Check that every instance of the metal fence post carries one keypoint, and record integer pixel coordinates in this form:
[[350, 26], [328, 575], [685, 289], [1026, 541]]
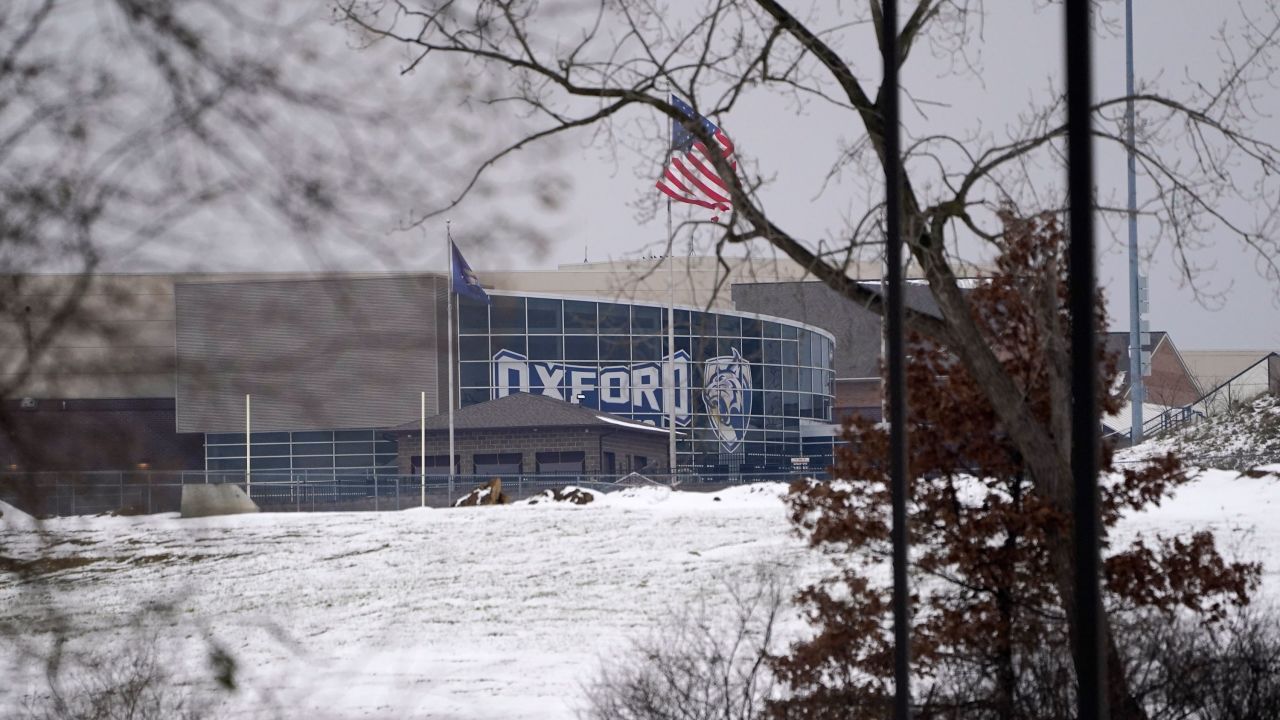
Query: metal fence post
[[1082, 284], [375, 492]]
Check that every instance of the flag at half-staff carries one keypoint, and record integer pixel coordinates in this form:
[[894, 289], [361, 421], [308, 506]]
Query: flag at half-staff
[[691, 176]]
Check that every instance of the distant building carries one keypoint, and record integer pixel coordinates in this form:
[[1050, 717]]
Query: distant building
[[151, 371], [1212, 368], [1170, 384], [856, 329]]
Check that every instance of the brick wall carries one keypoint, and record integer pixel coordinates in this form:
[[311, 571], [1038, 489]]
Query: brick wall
[[1169, 383], [861, 397]]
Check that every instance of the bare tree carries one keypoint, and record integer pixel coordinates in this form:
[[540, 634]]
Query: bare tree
[[711, 661], [176, 131], [593, 65], [131, 128]]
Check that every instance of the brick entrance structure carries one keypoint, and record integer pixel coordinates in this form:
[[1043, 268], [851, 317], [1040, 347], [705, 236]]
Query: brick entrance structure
[[532, 435]]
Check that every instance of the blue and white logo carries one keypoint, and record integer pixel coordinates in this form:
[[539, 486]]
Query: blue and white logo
[[727, 397], [635, 390]]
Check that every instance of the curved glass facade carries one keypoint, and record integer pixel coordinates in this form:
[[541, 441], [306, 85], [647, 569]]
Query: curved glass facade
[[744, 384]]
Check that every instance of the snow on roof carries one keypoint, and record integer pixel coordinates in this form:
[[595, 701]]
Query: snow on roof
[[629, 424]]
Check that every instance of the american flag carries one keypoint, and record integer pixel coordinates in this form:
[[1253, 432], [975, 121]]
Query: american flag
[[690, 176]]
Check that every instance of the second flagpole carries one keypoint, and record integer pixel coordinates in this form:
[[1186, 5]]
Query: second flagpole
[[671, 347], [448, 236]]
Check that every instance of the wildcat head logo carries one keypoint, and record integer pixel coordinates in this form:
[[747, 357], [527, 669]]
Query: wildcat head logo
[[727, 397]]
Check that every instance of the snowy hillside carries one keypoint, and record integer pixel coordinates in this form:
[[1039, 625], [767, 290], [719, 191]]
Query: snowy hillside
[[1239, 438], [495, 612]]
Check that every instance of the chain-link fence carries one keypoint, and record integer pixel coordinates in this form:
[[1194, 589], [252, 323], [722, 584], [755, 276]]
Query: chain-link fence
[[1238, 461], [138, 493]]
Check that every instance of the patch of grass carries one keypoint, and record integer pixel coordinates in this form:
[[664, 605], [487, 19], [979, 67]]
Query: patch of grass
[[75, 541], [45, 565], [353, 553]]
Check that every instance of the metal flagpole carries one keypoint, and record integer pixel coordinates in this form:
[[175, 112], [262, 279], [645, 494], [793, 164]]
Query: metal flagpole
[[248, 448], [1137, 388], [422, 450], [670, 366], [898, 468], [449, 310], [1081, 288]]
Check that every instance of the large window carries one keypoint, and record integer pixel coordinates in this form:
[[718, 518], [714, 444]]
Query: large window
[[437, 465], [579, 317], [305, 453], [615, 319], [647, 320], [545, 316], [561, 462], [497, 463], [506, 314]]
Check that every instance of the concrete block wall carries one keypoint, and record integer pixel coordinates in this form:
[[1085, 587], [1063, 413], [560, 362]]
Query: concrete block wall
[[626, 445]]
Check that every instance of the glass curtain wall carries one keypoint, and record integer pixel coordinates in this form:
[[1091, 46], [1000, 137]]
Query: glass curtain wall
[[318, 453], [600, 352]]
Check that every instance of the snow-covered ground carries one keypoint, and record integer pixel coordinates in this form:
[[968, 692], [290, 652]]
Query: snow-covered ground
[[1243, 436], [490, 612]]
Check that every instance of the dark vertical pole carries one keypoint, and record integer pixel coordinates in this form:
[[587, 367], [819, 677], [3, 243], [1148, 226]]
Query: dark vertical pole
[[897, 372], [1084, 366]]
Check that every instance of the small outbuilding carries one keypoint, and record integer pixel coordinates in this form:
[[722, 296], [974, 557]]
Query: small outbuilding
[[524, 434]]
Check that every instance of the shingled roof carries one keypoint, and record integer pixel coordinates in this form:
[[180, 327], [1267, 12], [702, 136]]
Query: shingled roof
[[522, 410]]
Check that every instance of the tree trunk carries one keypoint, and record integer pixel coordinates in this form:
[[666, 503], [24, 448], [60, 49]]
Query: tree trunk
[[1046, 454], [1006, 679], [1120, 701]]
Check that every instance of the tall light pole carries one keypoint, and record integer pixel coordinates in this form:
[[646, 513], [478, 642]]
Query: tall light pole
[[1137, 288]]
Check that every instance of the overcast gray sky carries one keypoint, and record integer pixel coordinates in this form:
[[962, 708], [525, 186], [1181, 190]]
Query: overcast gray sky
[[1020, 59]]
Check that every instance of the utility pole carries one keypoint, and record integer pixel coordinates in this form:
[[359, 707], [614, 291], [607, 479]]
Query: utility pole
[[1139, 361]]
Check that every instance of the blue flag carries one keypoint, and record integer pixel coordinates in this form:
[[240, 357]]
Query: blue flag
[[465, 282]]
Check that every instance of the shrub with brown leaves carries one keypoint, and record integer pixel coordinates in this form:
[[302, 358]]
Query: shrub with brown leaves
[[989, 637]]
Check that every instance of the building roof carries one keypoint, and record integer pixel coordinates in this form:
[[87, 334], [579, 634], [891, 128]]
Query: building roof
[[1117, 343], [523, 410]]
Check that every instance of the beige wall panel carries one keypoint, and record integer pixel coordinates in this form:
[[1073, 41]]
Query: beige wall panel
[[99, 386], [314, 354]]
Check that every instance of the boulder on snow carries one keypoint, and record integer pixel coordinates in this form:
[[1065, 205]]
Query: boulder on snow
[[569, 494], [209, 500], [489, 493], [11, 518]]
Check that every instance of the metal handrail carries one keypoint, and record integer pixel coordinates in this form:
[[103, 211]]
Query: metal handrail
[[1186, 413]]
